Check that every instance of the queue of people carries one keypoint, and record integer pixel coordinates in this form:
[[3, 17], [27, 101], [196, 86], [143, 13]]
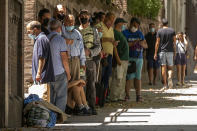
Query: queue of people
[[72, 58]]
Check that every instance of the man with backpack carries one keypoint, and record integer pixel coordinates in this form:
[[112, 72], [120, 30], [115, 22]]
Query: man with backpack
[[92, 48], [58, 89]]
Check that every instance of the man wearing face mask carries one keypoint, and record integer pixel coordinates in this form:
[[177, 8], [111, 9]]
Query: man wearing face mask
[[58, 89], [136, 43], [60, 13], [119, 72], [92, 48], [42, 67], [44, 18], [153, 65], [75, 46]]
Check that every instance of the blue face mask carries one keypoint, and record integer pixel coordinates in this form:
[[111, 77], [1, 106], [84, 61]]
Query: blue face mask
[[152, 30], [123, 27], [100, 34], [33, 37], [70, 28]]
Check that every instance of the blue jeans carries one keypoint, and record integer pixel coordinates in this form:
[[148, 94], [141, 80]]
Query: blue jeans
[[107, 71], [58, 91]]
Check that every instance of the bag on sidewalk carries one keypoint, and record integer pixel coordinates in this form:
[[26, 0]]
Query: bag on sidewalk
[[38, 90]]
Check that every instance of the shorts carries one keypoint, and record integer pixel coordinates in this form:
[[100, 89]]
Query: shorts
[[138, 73], [151, 63], [166, 58], [180, 59]]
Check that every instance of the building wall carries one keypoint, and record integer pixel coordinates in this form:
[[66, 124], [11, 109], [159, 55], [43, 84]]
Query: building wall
[[175, 12], [11, 66]]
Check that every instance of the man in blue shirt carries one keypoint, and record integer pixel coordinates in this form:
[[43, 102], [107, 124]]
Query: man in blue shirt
[[60, 64], [75, 46], [136, 43], [42, 67]]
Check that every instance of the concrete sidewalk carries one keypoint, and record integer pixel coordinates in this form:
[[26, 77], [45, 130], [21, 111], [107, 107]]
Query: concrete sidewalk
[[172, 110]]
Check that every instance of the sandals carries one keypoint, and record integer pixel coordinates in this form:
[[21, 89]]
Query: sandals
[[139, 98], [127, 98]]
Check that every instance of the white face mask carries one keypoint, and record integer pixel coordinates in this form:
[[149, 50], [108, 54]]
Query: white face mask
[[134, 29]]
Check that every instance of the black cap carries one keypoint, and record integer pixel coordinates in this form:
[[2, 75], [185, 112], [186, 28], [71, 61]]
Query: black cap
[[119, 20], [84, 12], [134, 19]]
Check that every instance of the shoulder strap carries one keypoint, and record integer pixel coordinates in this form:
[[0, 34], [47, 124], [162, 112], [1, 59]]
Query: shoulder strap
[[182, 47], [53, 36]]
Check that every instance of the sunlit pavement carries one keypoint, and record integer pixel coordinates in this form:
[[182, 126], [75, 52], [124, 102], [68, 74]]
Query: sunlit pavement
[[172, 110]]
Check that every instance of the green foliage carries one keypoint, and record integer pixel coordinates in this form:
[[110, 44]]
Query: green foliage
[[144, 8]]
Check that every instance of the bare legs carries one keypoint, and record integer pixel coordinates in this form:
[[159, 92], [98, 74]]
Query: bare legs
[[152, 74], [137, 86], [181, 73]]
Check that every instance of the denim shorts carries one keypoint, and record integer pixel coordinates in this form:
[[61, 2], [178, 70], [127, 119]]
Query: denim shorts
[[166, 58], [138, 73]]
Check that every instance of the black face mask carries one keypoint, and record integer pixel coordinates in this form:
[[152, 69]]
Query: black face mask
[[45, 22], [61, 17], [84, 20]]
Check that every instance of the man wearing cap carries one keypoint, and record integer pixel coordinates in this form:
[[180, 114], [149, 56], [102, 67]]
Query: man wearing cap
[[121, 57], [92, 47]]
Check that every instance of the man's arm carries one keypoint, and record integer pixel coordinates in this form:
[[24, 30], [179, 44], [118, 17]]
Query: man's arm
[[65, 64], [156, 48], [132, 43], [82, 54], [76, 83], [41, 63], [144, 44]]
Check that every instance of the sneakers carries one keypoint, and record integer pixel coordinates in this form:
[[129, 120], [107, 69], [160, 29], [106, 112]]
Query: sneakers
[[69, 110], [178, 84], [82, 112], [163, 88], [170, 83]]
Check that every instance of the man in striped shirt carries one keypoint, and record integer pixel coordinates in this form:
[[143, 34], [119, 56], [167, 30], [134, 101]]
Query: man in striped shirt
[[92, 46]]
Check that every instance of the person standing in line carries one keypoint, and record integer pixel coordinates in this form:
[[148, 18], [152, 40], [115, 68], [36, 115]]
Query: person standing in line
[[44, 17], [58, 89], [137, 43], [152, 65], [42, 66], [75, 46], [181, 60], [166, 40], [121, 57], [92, 48], [108, 43]]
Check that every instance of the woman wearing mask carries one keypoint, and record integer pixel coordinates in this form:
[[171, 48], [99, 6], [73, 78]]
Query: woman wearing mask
[[137, 43], [180, 60]]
